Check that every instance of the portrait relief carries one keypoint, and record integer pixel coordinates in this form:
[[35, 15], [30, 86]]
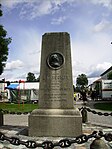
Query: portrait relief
[[55, 60]]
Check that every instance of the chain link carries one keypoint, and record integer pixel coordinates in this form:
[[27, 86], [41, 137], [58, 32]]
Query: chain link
[[95, 112], [31, 144], [62, 143], [2, 137], [14, 141], [12, 112], [80, 109], [108, 137], [47, 145]]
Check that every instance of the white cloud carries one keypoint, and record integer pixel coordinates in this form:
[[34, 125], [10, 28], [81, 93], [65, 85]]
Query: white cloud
[[89, 48], [58, 21], [104, 25], [31, 9], [14, 65], [13, 3], [27, 45], [10, 3], [47, 3], [29, 49], [103, 66], [78, 68], [92, 72], [36, 9], [96, 71], [105, 3]]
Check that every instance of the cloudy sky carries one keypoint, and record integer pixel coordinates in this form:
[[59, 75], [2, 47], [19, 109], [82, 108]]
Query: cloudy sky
[[89, 23]]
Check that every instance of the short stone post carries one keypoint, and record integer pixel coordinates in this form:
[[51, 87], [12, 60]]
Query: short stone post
[[98, 144], [1, 118], [84, 115]]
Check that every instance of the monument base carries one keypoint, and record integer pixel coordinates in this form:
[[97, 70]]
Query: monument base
[[55, 123]]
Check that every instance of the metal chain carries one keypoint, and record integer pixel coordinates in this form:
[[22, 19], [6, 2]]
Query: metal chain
[[80, 109], [95, 112], [62, 143], [12, 112]]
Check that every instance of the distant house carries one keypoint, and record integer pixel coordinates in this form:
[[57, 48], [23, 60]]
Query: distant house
[[103, 86], [106, 84], [104, 75], [106, 89], [3, 91]]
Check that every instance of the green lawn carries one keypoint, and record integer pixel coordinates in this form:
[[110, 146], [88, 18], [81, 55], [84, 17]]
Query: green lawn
[[18, 107], [30, 107], [103, 106]]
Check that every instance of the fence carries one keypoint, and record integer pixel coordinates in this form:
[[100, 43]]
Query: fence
[[98, 143], [84, 111]]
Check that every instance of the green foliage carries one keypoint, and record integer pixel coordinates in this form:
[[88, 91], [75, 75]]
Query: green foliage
[[109, 76], [81, 82], [4, 42], [31, 77]]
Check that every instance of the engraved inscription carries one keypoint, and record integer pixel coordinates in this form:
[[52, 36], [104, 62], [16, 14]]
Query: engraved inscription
[[56, 77]]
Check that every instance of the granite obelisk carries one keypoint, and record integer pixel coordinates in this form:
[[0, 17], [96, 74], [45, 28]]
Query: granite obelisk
[[56, 115]]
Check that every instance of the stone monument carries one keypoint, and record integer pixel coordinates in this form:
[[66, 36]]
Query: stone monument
[[56, 115]]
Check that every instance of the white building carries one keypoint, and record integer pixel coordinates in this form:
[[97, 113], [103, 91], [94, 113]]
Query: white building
[[104, 84], [107, 89], [3, 92], [24, 91]]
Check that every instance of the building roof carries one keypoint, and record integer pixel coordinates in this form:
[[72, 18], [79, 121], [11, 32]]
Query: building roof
[[106, 71], [13, 86], [98, 80]]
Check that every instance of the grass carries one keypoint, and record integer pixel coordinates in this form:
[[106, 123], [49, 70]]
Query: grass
[[103, 106], [18, 107], [30, 107]]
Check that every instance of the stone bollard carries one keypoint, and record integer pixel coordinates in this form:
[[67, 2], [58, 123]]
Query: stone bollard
[[1, 118], [84, 115], [98, 144]]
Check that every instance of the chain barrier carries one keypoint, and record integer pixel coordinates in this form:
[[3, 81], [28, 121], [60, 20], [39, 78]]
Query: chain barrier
[[62, 143], [12, 112], [80, 109], [95, 112]]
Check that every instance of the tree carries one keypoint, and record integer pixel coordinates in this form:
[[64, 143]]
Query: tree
[[109, 76], [81, 82], [4, 42], [30, 77]]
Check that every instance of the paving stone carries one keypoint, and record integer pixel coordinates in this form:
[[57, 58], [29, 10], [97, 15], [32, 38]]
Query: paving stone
[[79, 147], [1, 146]]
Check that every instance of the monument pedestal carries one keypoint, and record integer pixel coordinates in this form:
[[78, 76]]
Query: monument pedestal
[[55, 123], [56, 115]]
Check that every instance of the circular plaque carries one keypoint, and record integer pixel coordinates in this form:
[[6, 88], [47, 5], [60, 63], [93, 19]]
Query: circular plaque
[[55, 60]]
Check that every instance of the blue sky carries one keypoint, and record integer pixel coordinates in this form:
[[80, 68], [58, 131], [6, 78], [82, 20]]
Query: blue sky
[[89, 23]]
